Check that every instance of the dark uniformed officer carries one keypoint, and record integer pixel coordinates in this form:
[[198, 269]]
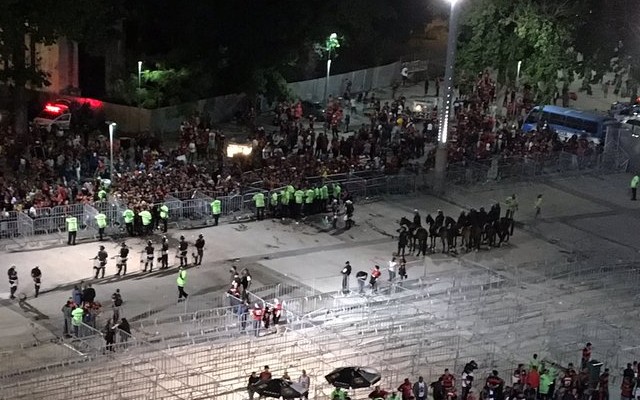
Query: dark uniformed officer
[[102, 262], [165, 253], [182, 251], [13, 281], [200, 250], [122, 259], [36, 274], [149, 260]]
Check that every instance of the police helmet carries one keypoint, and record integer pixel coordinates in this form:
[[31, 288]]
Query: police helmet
[[200, 235], [124, 244], [101, 247], [149, 242], [181, 237]]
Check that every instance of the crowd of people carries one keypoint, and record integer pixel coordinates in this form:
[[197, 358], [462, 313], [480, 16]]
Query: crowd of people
[[57, 170], [537, 380]]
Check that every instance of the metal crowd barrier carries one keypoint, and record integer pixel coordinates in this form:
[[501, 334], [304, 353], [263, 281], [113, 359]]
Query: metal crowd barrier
[[187, 206]]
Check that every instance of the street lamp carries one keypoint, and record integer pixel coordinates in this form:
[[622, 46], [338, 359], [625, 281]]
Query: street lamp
[[139, 74], [331, 44], [447, 93], [112, 131]]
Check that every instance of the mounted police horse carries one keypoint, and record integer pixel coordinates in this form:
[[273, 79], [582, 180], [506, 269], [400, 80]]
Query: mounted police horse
[[411, 229]]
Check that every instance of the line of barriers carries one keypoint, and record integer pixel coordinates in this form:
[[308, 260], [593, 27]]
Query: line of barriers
[[518, 168], [186, 209]]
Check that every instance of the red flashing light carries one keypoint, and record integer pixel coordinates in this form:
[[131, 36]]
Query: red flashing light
[[53, 109]]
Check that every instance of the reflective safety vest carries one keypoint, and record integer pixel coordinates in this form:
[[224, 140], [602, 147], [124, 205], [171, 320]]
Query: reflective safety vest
[[72, 224], [258, 198], [324, 192], [102, 194], [216, 206], [76, 316], [284, 197], [299, 195], [101, 219], [128, 216], [311, 194], [146, 217], [164, 211], [336, 190], [182, 278], [634, 181], [274, 199]]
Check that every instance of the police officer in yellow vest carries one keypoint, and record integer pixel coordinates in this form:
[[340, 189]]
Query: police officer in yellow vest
[[146, 217], [308, 202], [258, 198], [299, 199], [101, 221], [164, 217], [72, 229], [181, 281], [216, 210], [128, 216], [274, 204]]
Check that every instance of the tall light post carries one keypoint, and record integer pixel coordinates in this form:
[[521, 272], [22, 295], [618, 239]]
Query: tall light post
[[447, 98], [139, 93], [331, 44], [112, 131]]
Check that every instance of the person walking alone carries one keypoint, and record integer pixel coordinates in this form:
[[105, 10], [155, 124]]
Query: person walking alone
[[13, 281], [634, 186], [36, 274], [181, 281], [346, 271], [537, 205]]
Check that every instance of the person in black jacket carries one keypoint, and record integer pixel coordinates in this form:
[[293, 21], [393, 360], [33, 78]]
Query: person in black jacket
[[346, 271]]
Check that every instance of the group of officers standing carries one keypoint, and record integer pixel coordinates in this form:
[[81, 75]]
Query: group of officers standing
[[148, 256], [290, 202]]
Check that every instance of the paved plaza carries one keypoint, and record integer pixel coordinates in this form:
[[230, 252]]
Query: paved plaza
[[568, 273]]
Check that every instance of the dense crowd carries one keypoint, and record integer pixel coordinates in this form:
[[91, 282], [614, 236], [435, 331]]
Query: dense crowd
[[53, 169]]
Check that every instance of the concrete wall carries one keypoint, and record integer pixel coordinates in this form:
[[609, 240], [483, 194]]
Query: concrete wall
[[221, 108], [362, 80], [168, 119]]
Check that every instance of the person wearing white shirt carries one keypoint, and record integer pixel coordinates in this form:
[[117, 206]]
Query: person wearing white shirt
[[392, 269]]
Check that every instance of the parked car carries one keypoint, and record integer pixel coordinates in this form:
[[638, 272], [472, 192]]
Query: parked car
[[54, 117]]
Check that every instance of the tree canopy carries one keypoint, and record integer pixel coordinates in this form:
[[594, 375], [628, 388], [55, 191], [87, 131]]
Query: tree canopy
[[498, 33], [254, 46]]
